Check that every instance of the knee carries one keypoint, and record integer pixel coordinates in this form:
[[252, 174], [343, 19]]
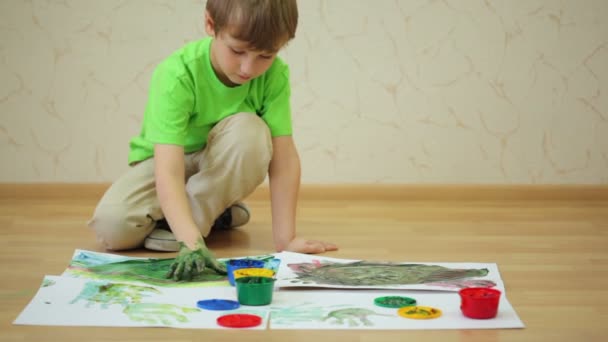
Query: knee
[[253, 140], [116, 229]]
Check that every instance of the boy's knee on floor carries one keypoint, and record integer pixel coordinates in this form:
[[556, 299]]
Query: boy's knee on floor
[[117, 230]]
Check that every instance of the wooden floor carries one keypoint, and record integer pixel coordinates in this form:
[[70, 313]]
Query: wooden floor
[[552, 254]]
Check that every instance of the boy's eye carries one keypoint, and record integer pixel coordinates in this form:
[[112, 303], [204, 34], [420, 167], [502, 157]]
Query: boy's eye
[[236, 52], [266, 56]]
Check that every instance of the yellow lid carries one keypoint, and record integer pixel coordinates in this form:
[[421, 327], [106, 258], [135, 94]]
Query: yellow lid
[[419, 312], [253, 272]]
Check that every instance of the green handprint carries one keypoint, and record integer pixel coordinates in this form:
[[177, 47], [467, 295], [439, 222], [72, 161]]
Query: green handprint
[[189, 263]]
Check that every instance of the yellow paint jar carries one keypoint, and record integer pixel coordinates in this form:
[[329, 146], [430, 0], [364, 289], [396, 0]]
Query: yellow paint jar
[[253, 272]]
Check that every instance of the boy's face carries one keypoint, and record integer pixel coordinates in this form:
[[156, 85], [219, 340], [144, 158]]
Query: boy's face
[[235, 63], [233, 60]]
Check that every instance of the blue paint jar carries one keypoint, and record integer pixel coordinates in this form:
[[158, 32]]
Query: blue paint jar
[[235, 264]]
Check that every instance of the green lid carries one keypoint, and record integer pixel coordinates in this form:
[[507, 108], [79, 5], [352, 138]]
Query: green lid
[[394, 301]]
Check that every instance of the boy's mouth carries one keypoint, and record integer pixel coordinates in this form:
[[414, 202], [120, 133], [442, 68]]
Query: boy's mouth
[[243, 77]]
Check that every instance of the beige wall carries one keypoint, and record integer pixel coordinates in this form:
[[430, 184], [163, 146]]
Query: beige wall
[[461, 91]]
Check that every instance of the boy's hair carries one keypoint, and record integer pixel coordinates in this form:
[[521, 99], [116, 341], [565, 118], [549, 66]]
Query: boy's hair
[[265, 24]]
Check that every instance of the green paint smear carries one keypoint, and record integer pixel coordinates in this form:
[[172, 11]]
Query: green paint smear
[[373, 274], [352, 316], [152, 313], [47, 283], [294, 314], [150, 271], [130, 297], [107, 294]]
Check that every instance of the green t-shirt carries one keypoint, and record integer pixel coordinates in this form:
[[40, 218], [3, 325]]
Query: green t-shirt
[[186, 99]]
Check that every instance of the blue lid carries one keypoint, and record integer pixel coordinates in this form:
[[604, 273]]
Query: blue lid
[[242, 263], [218, 304]]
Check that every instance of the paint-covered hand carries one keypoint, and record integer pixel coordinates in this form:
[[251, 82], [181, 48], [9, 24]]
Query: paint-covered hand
[[300, 245], [189, 263]]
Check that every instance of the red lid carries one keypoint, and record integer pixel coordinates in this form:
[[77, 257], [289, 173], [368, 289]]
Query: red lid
[[239, 321]]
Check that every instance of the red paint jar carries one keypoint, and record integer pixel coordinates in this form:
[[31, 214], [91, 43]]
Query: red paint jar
[[479, 302]]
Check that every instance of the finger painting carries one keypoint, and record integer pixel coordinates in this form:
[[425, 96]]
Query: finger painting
[[298, 270]]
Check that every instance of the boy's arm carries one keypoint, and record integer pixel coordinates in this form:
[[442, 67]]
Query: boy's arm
[[169, 172], [284, 175]]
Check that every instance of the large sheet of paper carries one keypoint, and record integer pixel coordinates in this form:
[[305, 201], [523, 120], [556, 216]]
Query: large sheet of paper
[[339, 309], [67, 301], [302, 270]]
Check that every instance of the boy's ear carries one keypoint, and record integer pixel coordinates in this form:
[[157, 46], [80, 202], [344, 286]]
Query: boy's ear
[[209, 24]]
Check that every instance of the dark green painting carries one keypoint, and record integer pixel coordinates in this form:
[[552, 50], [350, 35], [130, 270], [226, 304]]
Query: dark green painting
[[147, 270], [364, 273]]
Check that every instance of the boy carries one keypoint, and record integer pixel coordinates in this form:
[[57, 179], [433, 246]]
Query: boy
[[218, 119]]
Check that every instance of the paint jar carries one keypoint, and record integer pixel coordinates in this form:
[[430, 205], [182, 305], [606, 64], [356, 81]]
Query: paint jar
[[235, 264], [479, 302], [254, 290], [253, 272]]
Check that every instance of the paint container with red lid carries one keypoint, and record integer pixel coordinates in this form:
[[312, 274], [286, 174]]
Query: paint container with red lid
[[479, 302]]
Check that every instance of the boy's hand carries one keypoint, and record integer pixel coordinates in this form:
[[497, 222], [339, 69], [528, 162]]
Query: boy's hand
[[300, 245], [191, 262]]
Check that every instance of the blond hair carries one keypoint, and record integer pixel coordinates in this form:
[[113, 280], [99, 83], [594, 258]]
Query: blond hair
[[265, 24]]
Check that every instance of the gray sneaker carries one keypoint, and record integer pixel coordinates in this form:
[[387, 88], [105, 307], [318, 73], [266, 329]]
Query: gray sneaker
[[162, 239], [235, 216]]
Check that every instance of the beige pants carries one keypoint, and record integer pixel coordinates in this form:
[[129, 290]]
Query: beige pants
[[234, 162]]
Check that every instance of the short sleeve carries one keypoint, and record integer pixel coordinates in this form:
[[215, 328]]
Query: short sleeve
[[276, 109], [170, 104]]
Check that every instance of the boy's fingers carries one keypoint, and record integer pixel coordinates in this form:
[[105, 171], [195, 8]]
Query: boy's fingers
[[314, 247], [219, 268], [188, 270], [200, 265], [177, 275], [171, 270], [330, 246]]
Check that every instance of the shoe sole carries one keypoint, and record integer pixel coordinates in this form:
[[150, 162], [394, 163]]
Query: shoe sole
[[161, 245], [244, 208]]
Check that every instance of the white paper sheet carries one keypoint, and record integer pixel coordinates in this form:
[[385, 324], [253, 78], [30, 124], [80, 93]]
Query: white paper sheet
[[302, 270], [339, 309], [66, 301]]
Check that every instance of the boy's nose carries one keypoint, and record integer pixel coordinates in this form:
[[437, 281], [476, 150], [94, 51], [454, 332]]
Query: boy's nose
[[246, 67]]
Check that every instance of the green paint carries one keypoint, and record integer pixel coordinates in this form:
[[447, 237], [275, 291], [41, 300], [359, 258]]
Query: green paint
[[131, 297], [190, 263], [420, 311], [47, 282], [294, 314], [153, 313], [352, 316], [464, 283], [150, 271], [373, 274], [107, 294]]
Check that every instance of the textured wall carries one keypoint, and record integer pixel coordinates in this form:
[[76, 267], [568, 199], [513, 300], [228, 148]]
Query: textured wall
[[461, 91]]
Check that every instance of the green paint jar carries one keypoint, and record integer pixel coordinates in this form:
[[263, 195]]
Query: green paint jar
[[254, 290]]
